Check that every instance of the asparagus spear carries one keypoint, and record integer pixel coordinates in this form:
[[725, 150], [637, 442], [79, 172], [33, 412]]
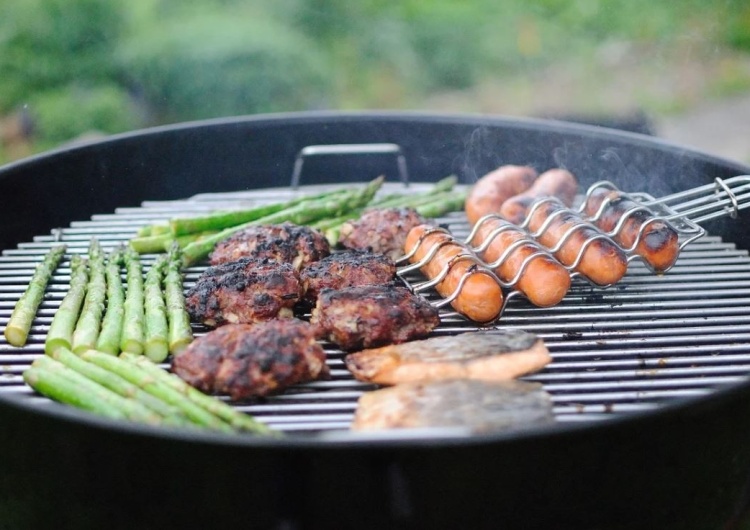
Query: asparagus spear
[[217, 407], [89, 321], [302, 213], [156, 343], [221, 220], [17, 330], [151, 244], [442, 204], [141, 378], [162, 242], [132, 328], [86, 391], [111, 333], [172, 415], [60, 332], [331, 227], [180, 332], [60, 388]]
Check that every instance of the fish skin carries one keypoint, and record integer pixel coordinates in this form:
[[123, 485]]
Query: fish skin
[[477, 406]]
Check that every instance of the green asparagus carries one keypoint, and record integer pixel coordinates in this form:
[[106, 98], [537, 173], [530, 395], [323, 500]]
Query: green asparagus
[[111, 332], [302, 213], [89, 322], [153, 230], [63, 323], [86, 390], [156, 339], [442, 204], [132, 327], [17, 330], [180, 332], [61, 388], [171, 414], [141, 378], [217, 407], [221, 220]]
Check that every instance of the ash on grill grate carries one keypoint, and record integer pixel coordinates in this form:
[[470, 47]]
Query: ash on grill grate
[[646, 341]]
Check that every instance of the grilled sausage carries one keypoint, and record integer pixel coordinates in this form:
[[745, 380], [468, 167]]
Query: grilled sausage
[[480, 298], [544, 281], [658, 245], [558, 183], [493, 189], [602, 262]]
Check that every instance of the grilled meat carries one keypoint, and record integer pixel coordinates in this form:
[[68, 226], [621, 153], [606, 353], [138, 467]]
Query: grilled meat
[[286, 243], [479, 406], [486, 355], [244, 291], [381, 230], [346, 269], [245, 360], [372, 315]]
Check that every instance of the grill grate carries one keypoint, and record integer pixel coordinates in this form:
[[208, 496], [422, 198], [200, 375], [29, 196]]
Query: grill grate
[[644, 342]]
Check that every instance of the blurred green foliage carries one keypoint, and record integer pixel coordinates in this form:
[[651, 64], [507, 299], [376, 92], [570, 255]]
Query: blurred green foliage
[[110, 66]]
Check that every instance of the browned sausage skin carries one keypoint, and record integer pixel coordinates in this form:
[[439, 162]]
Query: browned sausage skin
[[658, 244], [480, 297], [506, 248], [577, 244], [493, 189], [556, 182]]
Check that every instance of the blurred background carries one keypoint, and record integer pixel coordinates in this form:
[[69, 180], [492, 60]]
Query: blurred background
[[71, 70]]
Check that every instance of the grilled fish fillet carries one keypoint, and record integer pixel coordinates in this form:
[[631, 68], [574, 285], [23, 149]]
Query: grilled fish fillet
[[494, 355], [479, 406]]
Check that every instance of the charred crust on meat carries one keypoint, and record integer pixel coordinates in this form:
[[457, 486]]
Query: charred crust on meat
[[245, 360], [380, 230], [346, 269], [244, 291], [285, 243], [371, 315]]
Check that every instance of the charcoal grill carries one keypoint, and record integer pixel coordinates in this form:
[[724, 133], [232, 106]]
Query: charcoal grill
[[649, 378]]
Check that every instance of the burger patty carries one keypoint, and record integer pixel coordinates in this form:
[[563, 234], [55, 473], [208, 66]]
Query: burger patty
[[244, 291], [372, 315], [381, 230], [245, 360], [285, 243], [346, 269]]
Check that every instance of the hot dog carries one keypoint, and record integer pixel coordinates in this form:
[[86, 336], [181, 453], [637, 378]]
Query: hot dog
[[602, 261], [544, 281], [480, 297], [658, 245], [493, 189], [558, 183]]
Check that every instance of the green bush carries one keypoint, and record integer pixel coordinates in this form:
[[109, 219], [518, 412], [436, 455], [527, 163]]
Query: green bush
[[204, 65], [49, 43], [68, 112]]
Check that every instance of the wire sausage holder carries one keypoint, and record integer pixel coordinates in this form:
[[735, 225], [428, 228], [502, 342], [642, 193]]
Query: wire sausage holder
[[638, 216]]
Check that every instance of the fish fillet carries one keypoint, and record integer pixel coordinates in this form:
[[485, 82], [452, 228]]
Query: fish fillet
[[495, 355], [478, 406]]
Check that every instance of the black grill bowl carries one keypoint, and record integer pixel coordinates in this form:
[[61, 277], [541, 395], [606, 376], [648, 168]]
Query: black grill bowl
[[683, 465]]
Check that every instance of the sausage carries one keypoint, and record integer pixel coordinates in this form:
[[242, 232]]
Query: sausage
[[492, 190], [558, 183], [480, 298], [544, 281], [603, 262], [658, 246]]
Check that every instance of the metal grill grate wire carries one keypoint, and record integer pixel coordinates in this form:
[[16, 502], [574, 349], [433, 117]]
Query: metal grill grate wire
[[644, 342]]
